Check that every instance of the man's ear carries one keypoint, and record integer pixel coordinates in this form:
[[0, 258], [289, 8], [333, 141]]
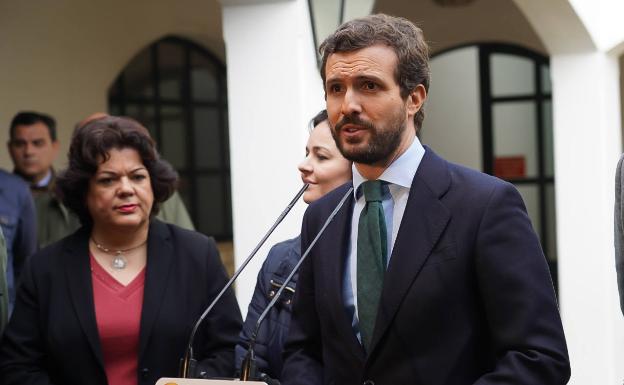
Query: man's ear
[[416, 99]]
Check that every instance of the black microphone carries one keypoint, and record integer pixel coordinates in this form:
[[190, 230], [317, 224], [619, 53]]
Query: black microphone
[[248, 368], [188, 363]]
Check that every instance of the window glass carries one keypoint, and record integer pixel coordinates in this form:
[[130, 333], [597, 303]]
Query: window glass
[[549, 144], [170, 70], [326, 17], [530, 196], [226, 139], [456, 83], [511, 75], [204, 83], [545, 74], [207, 140], [114, 91], [515, 138], [357, 8], [550, 246], [144, 114], [138, 77], [173, 143], [114, 109], [210, 205]]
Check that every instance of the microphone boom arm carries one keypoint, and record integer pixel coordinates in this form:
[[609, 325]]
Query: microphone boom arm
[[246, 370], [187, 361]]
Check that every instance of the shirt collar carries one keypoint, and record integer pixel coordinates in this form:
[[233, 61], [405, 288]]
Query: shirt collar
[[400, 172], [45, 181]]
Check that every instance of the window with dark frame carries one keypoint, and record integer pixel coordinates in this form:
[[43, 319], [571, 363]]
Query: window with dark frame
[[533, 102], [178, 90], [514, 124]]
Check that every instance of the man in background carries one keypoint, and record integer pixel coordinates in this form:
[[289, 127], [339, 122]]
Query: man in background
[[17, 219], [33, 147]]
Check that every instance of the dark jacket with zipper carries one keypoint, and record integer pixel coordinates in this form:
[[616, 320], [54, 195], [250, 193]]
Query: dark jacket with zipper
[[280, 261]]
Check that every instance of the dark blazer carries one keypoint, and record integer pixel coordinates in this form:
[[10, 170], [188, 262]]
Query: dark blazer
[[52, 336], [467, 297]]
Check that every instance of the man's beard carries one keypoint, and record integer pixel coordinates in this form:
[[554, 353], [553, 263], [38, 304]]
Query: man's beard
[[381, 145]]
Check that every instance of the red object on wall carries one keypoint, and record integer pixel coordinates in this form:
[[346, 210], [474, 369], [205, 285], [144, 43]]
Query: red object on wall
[[510, 167]]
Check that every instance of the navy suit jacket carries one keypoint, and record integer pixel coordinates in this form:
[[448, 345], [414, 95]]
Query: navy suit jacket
[[467, 296], [52, 337]]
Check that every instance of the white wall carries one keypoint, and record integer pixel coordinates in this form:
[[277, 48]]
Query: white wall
[[603, 20], [61, 56], [452, 125], [621, 61], [587, 146], [587, 137], [480, 21]]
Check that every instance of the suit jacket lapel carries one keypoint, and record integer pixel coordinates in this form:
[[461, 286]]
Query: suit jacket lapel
[[335, 252], [423, 222], [160, 256], [78, 274]]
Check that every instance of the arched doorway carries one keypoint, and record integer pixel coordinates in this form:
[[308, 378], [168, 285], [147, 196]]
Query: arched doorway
[[178, 90]]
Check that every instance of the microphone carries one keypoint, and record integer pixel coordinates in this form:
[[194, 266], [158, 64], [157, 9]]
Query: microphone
[[188, 363], [248, 368]]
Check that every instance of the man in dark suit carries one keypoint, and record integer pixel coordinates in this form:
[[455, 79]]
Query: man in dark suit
[[431, 273]]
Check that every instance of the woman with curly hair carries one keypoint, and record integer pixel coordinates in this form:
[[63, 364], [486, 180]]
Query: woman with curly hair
[[114, 303]]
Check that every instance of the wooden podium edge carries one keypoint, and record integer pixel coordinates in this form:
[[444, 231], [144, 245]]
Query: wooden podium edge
[[196, 381]]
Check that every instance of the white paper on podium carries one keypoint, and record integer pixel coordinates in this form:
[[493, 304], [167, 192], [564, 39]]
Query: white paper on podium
[[195, 381]]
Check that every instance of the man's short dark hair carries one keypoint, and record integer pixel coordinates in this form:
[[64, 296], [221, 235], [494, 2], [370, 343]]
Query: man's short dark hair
[[91, 144], [28, 118], [400, 34]]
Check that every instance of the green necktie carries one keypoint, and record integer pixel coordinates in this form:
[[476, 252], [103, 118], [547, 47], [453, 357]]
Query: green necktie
[[372, 253]]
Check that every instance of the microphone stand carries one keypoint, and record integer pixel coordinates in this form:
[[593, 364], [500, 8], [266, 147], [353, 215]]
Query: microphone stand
[[188, 363], [248, 368]]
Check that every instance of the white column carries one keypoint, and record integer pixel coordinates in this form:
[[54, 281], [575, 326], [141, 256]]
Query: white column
[[587, 145], [582, 37], [273, 90]]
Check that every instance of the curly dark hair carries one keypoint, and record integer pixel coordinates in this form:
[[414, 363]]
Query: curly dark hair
[[90, 145], [400, 34]]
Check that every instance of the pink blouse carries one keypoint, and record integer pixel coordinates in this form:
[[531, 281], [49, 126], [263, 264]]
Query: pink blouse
[[118, 317]]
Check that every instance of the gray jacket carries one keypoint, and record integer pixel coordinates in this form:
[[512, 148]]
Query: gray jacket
[[619, 230]]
